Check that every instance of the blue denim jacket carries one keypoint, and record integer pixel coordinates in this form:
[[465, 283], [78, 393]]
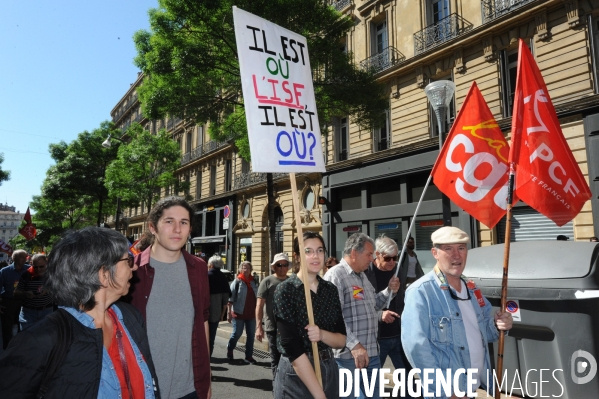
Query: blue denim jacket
[[239, 291], [110, 387], [433, 333]]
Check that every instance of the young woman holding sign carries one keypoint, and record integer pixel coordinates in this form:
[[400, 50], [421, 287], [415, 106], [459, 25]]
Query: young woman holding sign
[[295, 377]]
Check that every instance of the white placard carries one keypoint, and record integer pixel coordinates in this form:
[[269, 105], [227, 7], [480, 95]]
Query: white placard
[[225, 223], [278, 94]]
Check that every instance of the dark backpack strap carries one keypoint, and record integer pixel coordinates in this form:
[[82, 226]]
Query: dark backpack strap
[[59, 352]]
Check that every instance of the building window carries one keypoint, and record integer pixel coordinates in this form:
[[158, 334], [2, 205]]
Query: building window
[[228, 175], [200, 135], [384, 192], [348, 198], [382, 134], [212, 180], [308, 200], [199, 184], [245, 210], [245, 166], [188, 143], [437, 10], [187, 183], [416, 185], [381, 38], [341, 139], [279, 236], [449, 116], [508, 63]]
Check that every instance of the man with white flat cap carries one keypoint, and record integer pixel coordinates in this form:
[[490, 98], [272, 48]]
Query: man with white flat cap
[[447, 323]]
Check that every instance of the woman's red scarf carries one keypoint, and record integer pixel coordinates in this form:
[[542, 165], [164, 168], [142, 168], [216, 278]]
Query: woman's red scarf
[[248, 280]]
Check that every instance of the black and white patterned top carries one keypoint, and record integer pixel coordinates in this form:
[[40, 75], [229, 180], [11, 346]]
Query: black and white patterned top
[[290, 310]]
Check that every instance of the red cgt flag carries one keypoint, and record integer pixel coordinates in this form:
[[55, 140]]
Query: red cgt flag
[[28, 231], [547, 175], [472, 168]]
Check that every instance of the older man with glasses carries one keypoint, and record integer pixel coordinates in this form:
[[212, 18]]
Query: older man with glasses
[[37, 304], [266, 292], [447, 324]]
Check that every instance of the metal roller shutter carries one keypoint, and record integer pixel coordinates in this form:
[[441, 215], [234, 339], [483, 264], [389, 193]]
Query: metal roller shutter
[[529, 225]]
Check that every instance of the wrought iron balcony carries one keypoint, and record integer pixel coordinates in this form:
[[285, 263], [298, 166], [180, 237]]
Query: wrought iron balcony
[[446, 29], [341, 4], [383, 60], [202, 150], [495, 8], [193, 154], [249, 179]]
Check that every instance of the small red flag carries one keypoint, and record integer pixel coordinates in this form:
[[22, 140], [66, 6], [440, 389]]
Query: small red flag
[[547, 175], [27, 216], [472, 168], [4, 247], [28, 231]]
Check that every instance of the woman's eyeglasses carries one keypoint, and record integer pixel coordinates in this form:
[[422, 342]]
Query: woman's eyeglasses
[[311, 252], [129, 260]]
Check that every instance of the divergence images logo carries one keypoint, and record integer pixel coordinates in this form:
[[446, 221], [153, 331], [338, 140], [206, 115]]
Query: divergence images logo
[[583, 367]]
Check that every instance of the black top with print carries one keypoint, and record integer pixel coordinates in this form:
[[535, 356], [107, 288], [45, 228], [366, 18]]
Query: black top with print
[[292, 316]]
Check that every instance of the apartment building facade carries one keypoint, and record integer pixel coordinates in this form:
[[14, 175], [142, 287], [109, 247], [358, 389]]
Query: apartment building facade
[[374, 179]]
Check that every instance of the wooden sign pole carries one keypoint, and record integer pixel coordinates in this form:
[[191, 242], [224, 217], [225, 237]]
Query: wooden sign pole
[[304, 271]]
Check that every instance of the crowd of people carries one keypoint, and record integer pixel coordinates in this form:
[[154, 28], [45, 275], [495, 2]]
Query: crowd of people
[[97, 322]]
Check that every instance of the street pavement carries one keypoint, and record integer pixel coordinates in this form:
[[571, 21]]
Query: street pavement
[[237, 379]]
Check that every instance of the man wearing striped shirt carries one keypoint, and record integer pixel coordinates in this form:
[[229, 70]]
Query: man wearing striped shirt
[[37, 304], [362, 308]]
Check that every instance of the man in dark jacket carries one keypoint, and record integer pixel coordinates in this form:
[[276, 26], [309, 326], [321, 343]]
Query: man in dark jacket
[[219, 295]]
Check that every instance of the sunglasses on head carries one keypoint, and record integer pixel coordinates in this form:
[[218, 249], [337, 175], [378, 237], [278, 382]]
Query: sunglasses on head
[[389, 258], [282, 264]]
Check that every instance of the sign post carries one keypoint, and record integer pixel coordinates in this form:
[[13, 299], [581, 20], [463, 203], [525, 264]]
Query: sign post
[[280, 108]]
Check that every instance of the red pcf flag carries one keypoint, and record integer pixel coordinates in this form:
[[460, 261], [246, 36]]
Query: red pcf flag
[[28, 231], [547, 175], [472, 168], [27, 216]]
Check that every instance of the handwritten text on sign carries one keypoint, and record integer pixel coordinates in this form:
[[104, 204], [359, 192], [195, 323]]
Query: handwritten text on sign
[[280, 108]]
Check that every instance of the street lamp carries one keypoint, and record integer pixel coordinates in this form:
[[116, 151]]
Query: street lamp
[[440, 94], [108, 144]]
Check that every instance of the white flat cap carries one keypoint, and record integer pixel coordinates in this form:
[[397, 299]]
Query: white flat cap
[[449, 235]]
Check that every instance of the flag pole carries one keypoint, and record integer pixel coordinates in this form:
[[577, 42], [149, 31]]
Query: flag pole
[[506, 261], [304, 271], [405, 243]]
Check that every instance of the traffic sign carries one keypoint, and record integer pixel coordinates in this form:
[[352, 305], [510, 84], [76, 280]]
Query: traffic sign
[[226, 212]]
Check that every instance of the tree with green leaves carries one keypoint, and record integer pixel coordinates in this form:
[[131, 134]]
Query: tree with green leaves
[[144, 165], [4, 174], [79, 173], [191, 67]]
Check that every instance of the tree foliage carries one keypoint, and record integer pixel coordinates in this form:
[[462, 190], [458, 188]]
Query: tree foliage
[[4, 174], [143, 166], [76, 181], [191, 67]]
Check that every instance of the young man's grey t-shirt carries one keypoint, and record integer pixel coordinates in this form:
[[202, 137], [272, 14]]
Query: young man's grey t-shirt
[[169, 319]]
